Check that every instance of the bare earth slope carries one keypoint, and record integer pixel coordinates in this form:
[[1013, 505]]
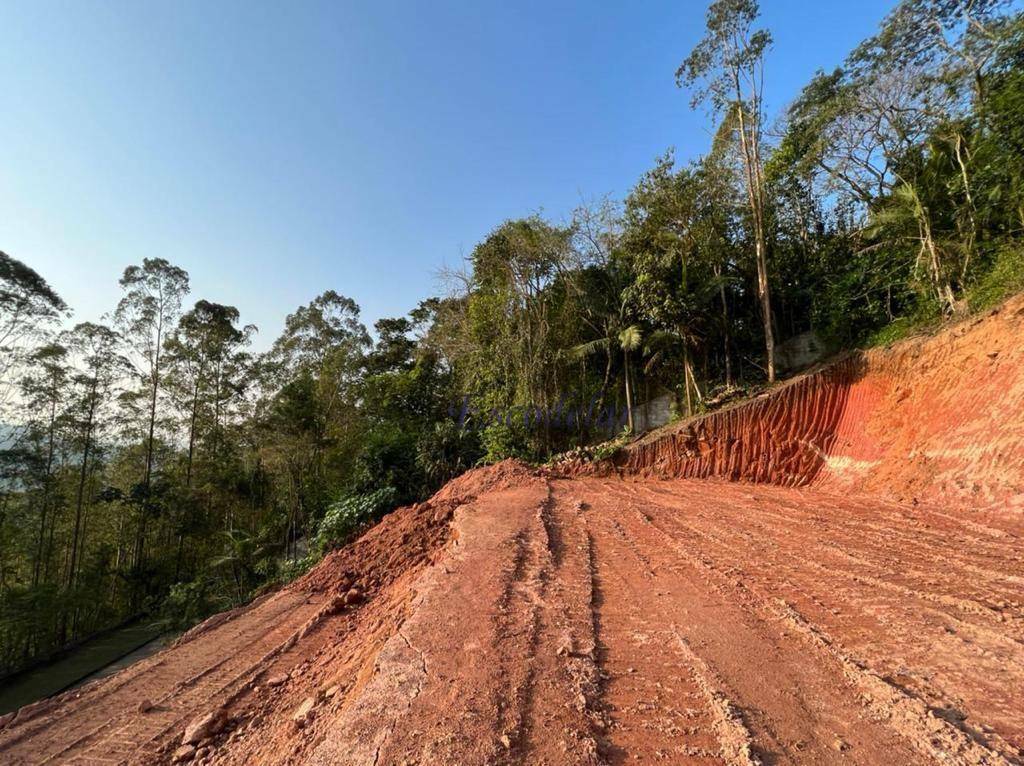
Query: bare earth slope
[[830, 574]]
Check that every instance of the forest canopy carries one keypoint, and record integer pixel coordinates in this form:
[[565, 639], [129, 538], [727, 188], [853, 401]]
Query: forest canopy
[[153, 465]]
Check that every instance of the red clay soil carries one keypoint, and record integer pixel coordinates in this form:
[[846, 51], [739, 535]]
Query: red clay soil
[[861, 603], [938, 418]]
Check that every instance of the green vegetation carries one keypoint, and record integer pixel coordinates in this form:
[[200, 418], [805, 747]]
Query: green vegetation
[[158, 466]]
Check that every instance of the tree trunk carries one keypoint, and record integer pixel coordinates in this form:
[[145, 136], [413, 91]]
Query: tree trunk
[[48, 479], [726, 335], [755, 196], [686, 381], [629, 395], [80, 498], [192, 434], [140, 538]]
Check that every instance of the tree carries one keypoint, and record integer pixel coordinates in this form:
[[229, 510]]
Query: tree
[[729, 61], [44, 391], [28, 305], [311, 382], [146, 314], [96, 348], [674, 255], [717, 221], [203, 346], [949, 41], [512, 306]]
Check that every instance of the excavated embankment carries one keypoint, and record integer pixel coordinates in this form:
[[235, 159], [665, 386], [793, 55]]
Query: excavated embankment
[[829, 574], [938, 417]]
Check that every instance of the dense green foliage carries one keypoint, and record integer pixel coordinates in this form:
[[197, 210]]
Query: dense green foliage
[[159, 466]]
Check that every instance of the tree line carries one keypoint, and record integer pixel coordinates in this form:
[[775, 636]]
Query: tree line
[[154, 464]]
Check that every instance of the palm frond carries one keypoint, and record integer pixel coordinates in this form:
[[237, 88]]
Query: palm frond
[[631, 338], [589, 348]]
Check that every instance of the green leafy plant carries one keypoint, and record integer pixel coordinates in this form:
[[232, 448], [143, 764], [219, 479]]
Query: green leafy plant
[[345, 518]]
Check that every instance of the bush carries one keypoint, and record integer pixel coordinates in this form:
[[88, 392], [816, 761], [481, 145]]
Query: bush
[[189, 602], [445, 451], [345, 518], [1003, 279], [387, 459], [501, 441]]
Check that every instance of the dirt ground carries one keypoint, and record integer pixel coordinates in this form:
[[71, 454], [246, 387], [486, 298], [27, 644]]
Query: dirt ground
[[603, 620], [829, 574]]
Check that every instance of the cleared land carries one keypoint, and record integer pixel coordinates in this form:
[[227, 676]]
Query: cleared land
[[819, 576]]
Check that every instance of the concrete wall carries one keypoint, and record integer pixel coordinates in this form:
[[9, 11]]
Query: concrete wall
[[799, 352], [653, 414]]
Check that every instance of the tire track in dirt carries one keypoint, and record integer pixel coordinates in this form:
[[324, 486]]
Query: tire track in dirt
[[933, 725], [180, 685], [661, 701], [954, 664], [811, 710], [859, 564], [520, 619]]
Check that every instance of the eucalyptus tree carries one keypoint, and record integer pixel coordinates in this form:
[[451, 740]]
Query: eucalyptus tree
[[204, 359], [99, 367], [310, 382], [514, 302], [728, 66], [145, 315], [28, 308], [44, 396]]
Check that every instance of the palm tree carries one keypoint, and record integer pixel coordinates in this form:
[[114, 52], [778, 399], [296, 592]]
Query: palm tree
[[630, 339], [658, 344], [627, 339], [244, 554]]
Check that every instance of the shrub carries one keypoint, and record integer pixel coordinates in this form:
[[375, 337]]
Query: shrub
[[1005, 277], [349, 515], [189, 602], [445, 451], [501, 441]]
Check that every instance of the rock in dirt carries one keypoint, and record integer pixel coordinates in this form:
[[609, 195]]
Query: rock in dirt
[[203, 727], [184, 754], [144, 706], [304, 712], [353, 596], [277, 680]]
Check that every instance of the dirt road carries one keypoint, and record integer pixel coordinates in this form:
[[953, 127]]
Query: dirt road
[[606, 621]]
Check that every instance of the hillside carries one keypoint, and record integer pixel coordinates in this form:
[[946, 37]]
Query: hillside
[[828, 573]]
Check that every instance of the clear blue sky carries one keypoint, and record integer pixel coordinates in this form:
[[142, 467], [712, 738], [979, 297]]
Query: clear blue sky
[[276, 150]]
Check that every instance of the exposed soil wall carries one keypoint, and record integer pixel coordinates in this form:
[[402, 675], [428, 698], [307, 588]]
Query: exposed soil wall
[[929, 418]]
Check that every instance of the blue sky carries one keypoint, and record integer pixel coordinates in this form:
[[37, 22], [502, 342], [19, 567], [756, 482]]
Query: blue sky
[[276, 150]]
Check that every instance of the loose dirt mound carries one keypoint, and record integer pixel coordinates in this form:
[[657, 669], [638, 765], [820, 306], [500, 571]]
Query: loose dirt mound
[[646, 614], [247, 672]]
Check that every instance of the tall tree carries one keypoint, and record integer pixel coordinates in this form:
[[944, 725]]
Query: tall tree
[[729, 64], [205, 344], [311, 384], [96, 349], [28, 306], [44, 393], [146, 314]]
